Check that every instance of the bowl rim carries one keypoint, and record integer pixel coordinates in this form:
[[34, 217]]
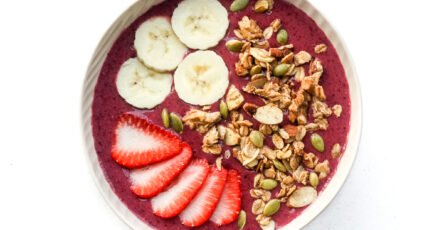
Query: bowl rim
[[311, 212]]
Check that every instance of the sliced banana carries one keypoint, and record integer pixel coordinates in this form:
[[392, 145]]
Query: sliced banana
[[141, 87], [201, 78], [200, 24], [157, 45]]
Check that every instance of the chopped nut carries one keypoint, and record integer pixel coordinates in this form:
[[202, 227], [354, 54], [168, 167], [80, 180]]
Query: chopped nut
[[211, 142], [302, 57], [291, 130], [249, 108], [319, 93], [261, 6], [336, 150], [337, 110], [249, 29], [300, 175], [270, 173], [310, 160], [323, 123], [231, 137], [280, 154], [276, 25], [323, 169], [265, 129], [315, 67], [298, 147], [269, 114], [289, 58], [200, 120], [321, 48], [312, 127], [288, 180]]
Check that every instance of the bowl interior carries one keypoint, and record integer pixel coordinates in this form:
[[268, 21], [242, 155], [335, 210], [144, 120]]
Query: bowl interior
[[140, 7]]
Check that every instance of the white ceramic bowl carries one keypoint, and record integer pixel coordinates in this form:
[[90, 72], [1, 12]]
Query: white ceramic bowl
[[309, 213]]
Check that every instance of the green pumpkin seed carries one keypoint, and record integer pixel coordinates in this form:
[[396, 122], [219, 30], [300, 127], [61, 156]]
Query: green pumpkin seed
[[268, 184], [242, 219], [234, 46], [165, 118], [238, 5], [176, 122], [223, 109], [257, 69], [318, 142], [314, 179], [282, 37], [272, 207], [257, 138], [280, 70], [279, 165]]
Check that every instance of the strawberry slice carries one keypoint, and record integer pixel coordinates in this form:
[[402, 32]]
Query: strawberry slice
[[229, 204], [151, 180], [180, 193], [204, 203], [137, 142]]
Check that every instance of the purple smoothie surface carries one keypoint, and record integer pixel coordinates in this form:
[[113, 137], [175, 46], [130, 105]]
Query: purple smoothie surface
[[304, 34]]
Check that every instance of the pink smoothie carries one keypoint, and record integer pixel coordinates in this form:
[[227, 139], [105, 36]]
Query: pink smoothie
[[108, 105]]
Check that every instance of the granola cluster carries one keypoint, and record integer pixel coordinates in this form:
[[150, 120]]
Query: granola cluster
[[288, 81]]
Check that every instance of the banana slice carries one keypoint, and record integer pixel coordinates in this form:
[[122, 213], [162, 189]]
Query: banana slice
[[200, 24], [141, 87], [157, 45], [201, 78]]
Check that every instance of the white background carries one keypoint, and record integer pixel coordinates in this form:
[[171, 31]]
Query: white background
[[396, 182]]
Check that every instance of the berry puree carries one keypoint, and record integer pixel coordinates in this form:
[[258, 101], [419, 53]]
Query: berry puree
[[303, 33]]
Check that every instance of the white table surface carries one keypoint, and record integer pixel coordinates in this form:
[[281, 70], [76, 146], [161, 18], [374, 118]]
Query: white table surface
[[396, 182]]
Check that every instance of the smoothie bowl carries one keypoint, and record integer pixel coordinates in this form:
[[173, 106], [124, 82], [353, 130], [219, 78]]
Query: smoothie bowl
[[220, 114]]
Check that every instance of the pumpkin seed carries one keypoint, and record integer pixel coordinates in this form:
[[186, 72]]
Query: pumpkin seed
[[223, 109], [165, 118], [242, 219], [318, 142], [282, 37], [272, 207], [279, 165], [280, 70], [234, 46], [314, 179], [302, 197], [176, 122], [257, 69], [257, 138], [268, 184], [238, 5]]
